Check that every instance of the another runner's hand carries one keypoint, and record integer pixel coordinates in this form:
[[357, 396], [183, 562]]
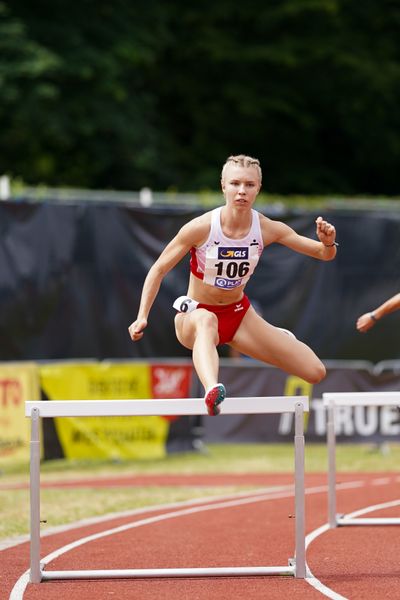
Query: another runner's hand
[[326, 232], [364, 323], [136, 329]]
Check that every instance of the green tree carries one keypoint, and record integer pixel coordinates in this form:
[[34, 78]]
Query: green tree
[[126, 94], [75, 106]]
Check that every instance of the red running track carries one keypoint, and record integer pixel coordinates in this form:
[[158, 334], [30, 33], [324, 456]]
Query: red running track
[[353, 562]]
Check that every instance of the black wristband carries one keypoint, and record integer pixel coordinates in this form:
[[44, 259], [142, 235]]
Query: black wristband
[[373, 317], [331, 245]]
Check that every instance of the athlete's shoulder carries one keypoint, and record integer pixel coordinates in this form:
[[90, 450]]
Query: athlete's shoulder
[[200, 223], [198, 229], [270, 229], [265, 222], [262, 218]]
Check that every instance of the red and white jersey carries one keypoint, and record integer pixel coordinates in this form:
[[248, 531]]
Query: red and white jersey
[[223, 262]]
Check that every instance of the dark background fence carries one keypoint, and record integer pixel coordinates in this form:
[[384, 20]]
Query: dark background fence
[[71, 276]]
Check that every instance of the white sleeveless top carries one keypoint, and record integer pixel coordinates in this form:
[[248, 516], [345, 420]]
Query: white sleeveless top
[[223, 262]]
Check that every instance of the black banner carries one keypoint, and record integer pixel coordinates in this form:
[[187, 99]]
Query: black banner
[[354, 424], [71, 276]]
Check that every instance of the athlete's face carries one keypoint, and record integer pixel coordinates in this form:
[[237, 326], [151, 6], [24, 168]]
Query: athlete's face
[[240, 185]]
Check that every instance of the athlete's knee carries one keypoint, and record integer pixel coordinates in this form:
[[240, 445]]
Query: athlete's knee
[[316, 373], [206, 324], [206, 320], [189, 327]]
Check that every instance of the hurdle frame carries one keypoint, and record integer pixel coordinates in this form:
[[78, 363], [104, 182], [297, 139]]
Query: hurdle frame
[[332, 400], [35, 410]]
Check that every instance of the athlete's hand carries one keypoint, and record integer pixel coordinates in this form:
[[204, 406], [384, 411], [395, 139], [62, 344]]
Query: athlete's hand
[[364, 323], [136, 329], [326, 232]]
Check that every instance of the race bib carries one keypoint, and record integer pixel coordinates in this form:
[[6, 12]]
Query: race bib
[[228, 267], [184, 304]]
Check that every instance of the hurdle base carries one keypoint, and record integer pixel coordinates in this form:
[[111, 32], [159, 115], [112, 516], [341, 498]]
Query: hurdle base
[[159, 573], [343, 521]]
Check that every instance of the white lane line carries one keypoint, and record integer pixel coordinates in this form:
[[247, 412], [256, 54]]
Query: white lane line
[[380, 481], [22, 539], [20, 586], [372, 508], [313, 581], [7, 543], [316, 583]]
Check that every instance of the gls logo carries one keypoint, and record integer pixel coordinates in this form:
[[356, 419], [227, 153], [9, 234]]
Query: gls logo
[[233, 253]]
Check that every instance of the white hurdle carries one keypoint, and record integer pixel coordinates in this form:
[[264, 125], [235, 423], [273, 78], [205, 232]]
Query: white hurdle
[[331, 402], [179, 407]]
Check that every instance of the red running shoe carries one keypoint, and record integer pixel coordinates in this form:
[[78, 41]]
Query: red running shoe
[[214, 396]]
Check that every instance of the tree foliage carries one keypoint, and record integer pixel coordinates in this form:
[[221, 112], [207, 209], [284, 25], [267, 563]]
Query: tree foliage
[[125, 94]]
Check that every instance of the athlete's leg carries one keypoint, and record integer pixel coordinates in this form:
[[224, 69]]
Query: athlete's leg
[[262, 341], [198, 331]]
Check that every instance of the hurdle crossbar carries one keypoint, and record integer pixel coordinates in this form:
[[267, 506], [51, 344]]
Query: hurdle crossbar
[[331, 402], [36, 410]]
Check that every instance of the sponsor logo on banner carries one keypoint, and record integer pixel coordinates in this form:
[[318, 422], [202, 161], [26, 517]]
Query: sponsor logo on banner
[[105, 437], [233, 253], [171, 381], [355, 424], [11, 392], [18, 382]]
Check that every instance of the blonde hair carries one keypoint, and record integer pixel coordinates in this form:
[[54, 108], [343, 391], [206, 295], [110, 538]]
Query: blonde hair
[[243, 161]]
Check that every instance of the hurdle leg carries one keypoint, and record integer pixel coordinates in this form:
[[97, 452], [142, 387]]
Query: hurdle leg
[[331, 437], [35, 575], [300, 566]]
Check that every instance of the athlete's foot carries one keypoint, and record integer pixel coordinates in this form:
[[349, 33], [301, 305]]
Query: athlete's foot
[[213, 398]]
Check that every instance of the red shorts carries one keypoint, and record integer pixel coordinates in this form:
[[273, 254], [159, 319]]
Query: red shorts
[[229, 317]]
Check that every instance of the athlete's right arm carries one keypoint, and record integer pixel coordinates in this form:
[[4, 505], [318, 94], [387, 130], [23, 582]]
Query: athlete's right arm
[[191, 234]]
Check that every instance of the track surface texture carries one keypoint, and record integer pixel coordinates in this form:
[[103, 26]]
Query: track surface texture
[[255, 528]]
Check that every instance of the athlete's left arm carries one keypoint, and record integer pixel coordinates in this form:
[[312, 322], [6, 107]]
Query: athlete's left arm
[[324, 249]]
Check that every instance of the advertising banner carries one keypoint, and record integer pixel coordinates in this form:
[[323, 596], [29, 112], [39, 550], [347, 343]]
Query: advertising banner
[[123, 438], [353, 424], [18, 382], [171, 380], [105, 437], [174, 380]]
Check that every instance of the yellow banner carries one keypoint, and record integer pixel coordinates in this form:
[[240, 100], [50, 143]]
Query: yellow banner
[[104, 437], [18, 382]]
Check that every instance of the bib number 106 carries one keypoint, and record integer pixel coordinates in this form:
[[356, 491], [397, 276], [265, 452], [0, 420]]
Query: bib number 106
[[232, 269]]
